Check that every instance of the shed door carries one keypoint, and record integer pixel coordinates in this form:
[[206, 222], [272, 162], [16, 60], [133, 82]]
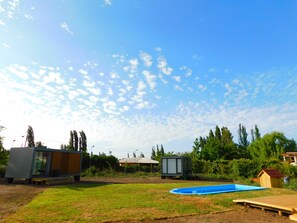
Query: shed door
[[171, 165], [179, 166], [164, 165]]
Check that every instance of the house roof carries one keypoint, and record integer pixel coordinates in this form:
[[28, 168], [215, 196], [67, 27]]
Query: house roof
[[138, 160], [271, 172], [289, 154]]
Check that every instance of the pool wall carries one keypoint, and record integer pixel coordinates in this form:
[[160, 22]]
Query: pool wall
[[214, 189]]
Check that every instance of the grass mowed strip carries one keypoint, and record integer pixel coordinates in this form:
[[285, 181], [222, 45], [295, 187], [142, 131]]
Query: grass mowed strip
[[98, 202]]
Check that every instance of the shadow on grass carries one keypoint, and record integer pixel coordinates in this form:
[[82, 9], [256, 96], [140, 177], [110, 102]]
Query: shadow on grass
[[84, 184]]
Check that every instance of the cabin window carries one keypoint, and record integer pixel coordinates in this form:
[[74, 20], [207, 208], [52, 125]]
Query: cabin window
[[40, 163]]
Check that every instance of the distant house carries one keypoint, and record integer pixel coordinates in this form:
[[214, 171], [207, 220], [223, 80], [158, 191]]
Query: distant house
[[270, 178], [139, 163], [290, 157], [138, 160]]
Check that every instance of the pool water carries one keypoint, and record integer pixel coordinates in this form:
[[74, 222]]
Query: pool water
[[215, 189]]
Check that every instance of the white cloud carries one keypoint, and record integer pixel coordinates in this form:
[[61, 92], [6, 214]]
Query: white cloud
[[124, 108], [110, 107], [114, 75], [109, 91], [150, 78], [82, 92], [162, 65], [121, 99], [65, 26], [83, 72], [202, 87], [28, 16], [5, 45], [141, 86], [107, 2], [53, 77], [177, 78], [179, 88], [146, 58], [95, 91], [18, 71], [229, 89], [212, 70]]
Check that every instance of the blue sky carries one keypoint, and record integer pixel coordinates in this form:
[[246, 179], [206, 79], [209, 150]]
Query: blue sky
[[133, 74]]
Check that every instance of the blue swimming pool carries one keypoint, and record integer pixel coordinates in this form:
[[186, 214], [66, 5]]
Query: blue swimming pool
[[214, 189]]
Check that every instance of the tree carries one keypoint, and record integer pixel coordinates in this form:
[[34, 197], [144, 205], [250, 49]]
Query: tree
[[153, 156], [39, 144], [271, 145], [75, 140], [82, 141], [134, 154], [1, 138], [63, 147], [70, 146], [216, 146], [162, 152], [243, 142], [257, 133], [141, 155], [3, 153], [30, 137], [158, 151]]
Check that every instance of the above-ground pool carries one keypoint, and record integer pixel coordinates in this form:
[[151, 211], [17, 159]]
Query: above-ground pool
[[214, 189]]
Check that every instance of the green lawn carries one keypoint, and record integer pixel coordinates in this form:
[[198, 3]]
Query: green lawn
[[98, 202]]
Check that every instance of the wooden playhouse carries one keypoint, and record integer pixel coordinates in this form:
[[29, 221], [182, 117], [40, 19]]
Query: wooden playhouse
[[270, 178]]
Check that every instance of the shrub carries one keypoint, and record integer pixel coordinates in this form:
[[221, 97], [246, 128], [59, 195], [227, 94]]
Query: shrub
[[2, 171], [245, 168]]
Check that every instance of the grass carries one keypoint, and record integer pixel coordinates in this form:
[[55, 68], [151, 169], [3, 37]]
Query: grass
[[98, 202]]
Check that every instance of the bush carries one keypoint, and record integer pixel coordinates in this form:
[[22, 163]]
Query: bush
[[292, 184], [2, 171], [245, 168], [90, 172]]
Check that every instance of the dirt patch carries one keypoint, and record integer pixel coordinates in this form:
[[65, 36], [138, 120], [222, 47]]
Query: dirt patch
[[14, 196], [239, 215]]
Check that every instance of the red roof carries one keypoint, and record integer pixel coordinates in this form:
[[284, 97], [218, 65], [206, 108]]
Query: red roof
[[271, 172]]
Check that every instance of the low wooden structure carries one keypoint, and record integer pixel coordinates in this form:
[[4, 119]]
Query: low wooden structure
[[270, 178], [284, 205], [34, 164]]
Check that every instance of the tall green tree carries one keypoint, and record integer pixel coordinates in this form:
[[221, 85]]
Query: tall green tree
[[71, 141], [243, 142], [75, 140], [162, 152], [271, 145], [153, 156], [30, 137], [83, 141], [3, 153], [216, 146]]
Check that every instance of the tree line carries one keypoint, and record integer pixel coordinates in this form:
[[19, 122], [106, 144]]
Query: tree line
[[219, 144], [76, 143]]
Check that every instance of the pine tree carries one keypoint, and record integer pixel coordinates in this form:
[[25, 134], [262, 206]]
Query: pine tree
[[153, 156], [75, 139], [257, 133], [30, 137], [71, 147], [162, 152], [82, 141]]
